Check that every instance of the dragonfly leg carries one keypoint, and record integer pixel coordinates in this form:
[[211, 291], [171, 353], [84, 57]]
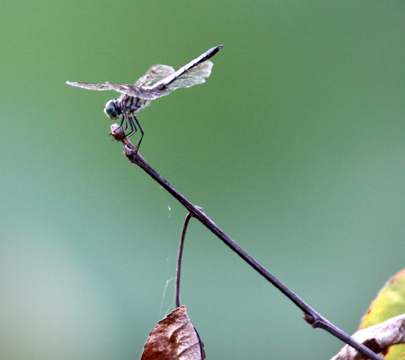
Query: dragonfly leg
[[122, 120], [142, 133], [126, 122], [132, 125]]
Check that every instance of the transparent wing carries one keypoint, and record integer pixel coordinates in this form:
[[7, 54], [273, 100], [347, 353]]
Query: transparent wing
[[131, 90], [192, 77], [160, 80], [193, 73], [89, 86], [135, 91], [154, 74]]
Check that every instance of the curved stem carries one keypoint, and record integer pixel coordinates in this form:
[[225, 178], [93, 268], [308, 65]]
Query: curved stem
[[179, 258]]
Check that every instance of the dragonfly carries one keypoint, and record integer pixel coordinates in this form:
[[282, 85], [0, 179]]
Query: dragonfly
[[160, 80]]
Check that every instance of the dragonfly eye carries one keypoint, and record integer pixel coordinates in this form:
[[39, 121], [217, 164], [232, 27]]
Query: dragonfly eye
[[112, 110]]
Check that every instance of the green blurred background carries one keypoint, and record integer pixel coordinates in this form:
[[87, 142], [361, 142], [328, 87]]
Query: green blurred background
[[295, 147]]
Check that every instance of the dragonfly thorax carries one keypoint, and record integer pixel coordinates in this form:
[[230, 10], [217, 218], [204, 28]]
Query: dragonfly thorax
[[124, 105]]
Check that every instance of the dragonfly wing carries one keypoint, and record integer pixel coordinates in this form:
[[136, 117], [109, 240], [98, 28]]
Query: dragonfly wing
[[89, 86], [193, 73], [136, 91], [160, 80], [154, 74], [194, 76]]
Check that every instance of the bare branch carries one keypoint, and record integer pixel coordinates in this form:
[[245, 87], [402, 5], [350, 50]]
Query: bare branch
[[310, 315]]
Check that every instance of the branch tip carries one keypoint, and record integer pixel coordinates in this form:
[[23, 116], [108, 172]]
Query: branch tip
[[117, 132]]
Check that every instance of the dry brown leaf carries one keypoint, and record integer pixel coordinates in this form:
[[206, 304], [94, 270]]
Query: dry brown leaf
[[174, 338]]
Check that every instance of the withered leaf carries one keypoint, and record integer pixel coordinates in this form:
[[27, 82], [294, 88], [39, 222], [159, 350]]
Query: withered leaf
[[174, 338]]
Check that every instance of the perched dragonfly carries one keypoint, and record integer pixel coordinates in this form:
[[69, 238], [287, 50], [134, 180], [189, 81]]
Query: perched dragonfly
[[158, 81]]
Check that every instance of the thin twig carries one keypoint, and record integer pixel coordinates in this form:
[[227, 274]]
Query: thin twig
[[310, 315], [179, 258], [178, 275]]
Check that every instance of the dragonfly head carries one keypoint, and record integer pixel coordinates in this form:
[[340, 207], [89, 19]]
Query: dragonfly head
[[113, 109]]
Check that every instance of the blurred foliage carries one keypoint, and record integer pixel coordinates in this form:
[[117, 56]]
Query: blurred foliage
[[389, 303]]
